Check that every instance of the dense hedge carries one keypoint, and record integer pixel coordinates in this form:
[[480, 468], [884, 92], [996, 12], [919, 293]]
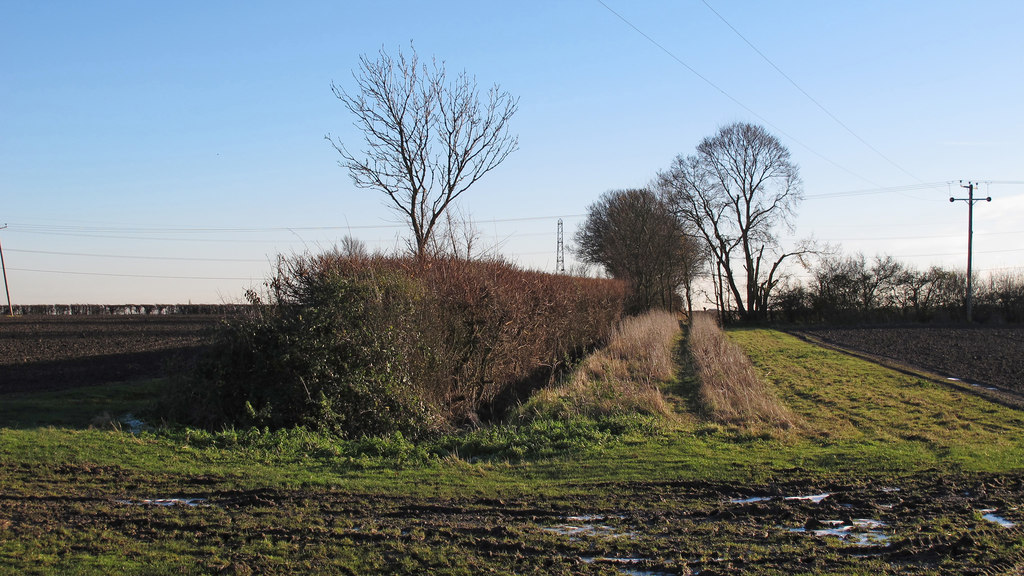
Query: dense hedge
[[364, 346]]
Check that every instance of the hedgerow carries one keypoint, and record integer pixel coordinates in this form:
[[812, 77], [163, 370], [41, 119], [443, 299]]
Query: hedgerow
[[364, 346]]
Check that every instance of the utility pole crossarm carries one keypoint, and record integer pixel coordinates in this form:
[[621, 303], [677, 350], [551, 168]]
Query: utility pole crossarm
[[971, 200]]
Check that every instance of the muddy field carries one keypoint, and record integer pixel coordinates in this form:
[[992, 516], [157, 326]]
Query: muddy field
[[914, 526], [987, 356], [57, 352]]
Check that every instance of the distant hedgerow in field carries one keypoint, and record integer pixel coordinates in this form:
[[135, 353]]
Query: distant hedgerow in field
[[360, 345]]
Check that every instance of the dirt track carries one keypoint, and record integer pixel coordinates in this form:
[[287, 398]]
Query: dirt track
[[56, 352], [992, 356]]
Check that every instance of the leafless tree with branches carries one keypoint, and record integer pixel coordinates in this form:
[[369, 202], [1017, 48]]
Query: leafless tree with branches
[[427, 137], [737, 190]]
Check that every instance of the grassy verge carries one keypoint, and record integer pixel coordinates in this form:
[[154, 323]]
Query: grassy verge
[[499, 499], [731, 390], [624, 378]]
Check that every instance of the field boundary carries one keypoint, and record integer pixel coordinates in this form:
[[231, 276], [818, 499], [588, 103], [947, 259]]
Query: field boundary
[[995, 394]]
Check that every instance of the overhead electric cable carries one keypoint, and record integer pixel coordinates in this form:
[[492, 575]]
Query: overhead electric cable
[[180, 259], [128, 275], [809, 97], [733, 98], [70, 230], [870, 191]]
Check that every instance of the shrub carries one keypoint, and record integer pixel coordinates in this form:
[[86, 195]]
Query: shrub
[[326, 355], [365, 346]]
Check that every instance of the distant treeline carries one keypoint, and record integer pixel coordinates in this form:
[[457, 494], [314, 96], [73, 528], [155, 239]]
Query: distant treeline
[[126, 309], [854, 290]]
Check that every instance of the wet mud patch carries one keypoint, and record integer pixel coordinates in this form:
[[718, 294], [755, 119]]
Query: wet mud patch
[[927, 524]]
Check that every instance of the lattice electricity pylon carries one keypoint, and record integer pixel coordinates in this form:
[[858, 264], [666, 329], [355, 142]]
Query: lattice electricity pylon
[[560, 253]]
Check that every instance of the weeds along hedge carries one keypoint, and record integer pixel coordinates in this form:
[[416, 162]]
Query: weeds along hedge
[[362, 346]]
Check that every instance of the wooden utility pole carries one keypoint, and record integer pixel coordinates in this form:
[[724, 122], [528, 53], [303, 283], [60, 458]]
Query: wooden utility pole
[[970, 238], [10, 307]]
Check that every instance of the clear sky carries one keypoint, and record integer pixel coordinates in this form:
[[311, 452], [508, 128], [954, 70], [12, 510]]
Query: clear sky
[[167, 152]]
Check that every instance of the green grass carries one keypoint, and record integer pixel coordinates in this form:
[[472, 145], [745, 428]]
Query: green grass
[[61, 455], [856, 417], [96, 406]]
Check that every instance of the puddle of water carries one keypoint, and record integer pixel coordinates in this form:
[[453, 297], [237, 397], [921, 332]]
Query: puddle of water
[[750, 500], [810, 498], [592, 559], [993, 518], [595, 530], [166, 502], [135, 426], [589, 518], [859, 532], [954, 379], [625, 565], [890, 490]]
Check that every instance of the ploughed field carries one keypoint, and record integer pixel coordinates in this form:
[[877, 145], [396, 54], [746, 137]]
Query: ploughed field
[[59, 352], [989, 356]]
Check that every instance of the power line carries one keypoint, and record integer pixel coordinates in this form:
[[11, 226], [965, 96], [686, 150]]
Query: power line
[[809, 97], [124, 256], [733, 98], [105, 274], [91, 231], [870, 191]]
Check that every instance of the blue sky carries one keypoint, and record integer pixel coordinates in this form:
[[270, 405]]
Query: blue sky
[[167, 152]]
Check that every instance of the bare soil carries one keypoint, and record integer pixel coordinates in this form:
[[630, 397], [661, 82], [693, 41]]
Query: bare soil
[[923, 525], [59, 352], [986, 356]]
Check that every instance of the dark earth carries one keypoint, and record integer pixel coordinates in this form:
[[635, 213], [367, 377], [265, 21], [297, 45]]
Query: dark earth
[[59, 352], [929, 524], [987, 356]]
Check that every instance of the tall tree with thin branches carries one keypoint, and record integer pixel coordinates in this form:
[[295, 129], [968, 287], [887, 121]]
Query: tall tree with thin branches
[[737, 190], [427, 137]]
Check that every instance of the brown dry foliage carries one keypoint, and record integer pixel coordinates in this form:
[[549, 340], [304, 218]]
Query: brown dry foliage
[[730, 390], [472, 329], [622, 378]]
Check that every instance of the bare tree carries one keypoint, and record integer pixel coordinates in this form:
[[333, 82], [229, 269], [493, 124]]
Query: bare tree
[[427, 138], [736, 190], [636, 237]]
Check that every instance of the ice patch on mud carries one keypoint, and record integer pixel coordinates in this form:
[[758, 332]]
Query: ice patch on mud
[[859, 532], [594, 530], [815, 498], [750, 500], [588, 525], [627, 565], [166, 502], [988, 514]]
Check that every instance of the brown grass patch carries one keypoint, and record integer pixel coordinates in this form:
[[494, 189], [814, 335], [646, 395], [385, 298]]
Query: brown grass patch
[[730, 390], [620, 379]]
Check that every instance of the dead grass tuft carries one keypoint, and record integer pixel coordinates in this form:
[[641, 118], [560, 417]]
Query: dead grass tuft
[[620, 379], [730, 390]]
